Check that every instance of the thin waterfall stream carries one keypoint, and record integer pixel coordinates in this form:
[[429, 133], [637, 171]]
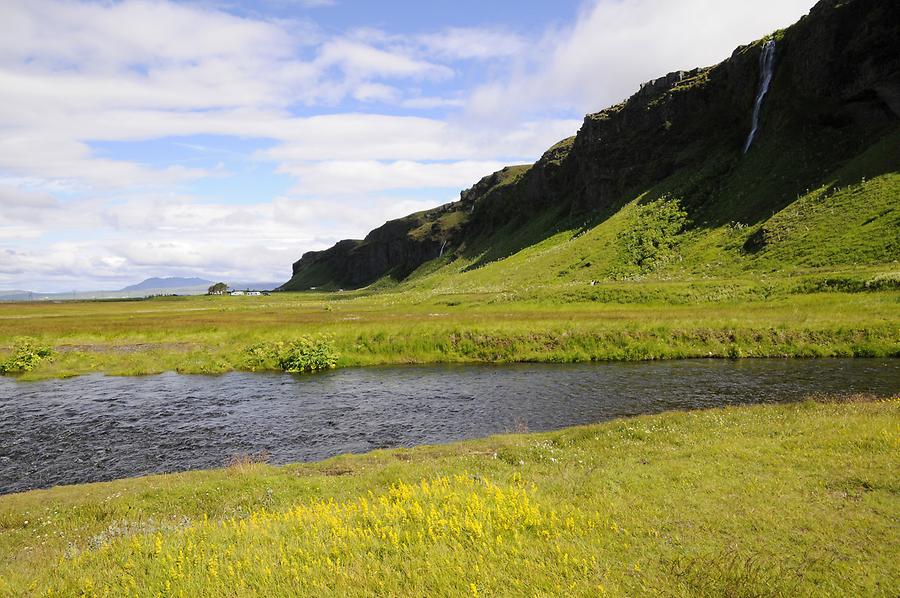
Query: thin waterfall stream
[[766, 70]]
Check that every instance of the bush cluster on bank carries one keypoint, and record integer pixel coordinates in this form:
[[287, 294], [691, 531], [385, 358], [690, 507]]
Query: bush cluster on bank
[[26, 355], [299, 356]]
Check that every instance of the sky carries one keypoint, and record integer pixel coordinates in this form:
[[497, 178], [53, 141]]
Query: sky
[[224, 139]]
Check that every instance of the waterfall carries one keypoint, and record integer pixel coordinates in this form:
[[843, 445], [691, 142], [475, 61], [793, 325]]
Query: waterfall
[[441, 254], [766, 68]]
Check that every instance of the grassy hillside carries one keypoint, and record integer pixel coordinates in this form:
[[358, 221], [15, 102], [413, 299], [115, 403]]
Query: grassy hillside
[[852, 219], [788, 500], [652, 279], [693, 225]]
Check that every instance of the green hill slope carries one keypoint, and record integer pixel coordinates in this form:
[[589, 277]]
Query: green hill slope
[[659, 186], [837, 226]]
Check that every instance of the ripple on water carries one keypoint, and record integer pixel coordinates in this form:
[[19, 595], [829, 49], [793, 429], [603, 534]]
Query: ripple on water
[[96, 428]]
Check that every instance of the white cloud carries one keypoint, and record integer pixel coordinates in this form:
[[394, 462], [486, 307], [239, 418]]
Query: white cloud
[[376, 92], [363, 176], [473, 43], [379, 137], [431, 102], [616, 45], [26, 214], [152, 236], [359, 59], [303, 3], [64, 159], [71, 72]]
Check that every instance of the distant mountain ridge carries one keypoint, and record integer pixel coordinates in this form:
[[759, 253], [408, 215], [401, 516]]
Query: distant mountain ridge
[[170, 282], [660, 184], [151, 286]]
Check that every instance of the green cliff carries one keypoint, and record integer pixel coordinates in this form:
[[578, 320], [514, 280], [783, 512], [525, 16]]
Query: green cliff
[[660, 185]]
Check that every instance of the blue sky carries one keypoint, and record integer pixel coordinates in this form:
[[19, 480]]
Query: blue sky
[[410, 16], [223, 139]]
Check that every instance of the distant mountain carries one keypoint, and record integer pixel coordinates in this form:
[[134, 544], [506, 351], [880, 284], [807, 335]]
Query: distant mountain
[[15, 295], [147, 288], [167, 283]]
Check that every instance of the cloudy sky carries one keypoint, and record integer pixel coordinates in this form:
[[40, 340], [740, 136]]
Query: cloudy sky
[[225, 138]]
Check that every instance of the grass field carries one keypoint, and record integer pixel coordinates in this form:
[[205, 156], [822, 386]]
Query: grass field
[[807, 316], [789, 500]]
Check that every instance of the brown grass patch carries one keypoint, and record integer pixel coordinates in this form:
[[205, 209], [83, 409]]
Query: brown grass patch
[[246, 461], [858, 397]]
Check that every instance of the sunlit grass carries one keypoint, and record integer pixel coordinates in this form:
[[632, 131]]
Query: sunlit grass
[[631, 321], [768, 500]]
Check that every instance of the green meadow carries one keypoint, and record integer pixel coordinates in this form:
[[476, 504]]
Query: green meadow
[[774, 500], [813, 315]]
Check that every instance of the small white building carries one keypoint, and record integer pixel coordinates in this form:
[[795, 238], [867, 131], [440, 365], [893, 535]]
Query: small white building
[[254, 293], [236, 293]]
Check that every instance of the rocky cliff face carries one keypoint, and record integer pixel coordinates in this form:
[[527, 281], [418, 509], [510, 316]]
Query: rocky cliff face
[[387, 250], [835, 90]]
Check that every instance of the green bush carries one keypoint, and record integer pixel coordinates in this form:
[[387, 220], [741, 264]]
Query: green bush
[[26, 355], [653, 239], [260, 356], [306, 355], [889, 281], [299, 356]]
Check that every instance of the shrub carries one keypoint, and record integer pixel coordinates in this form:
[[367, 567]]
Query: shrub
[[26, 355], [889, 281], [306, 355], [261, 356], [653, 239], [302, 355]]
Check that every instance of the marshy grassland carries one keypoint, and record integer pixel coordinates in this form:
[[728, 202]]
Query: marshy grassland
[[811, 315], [792, 500]]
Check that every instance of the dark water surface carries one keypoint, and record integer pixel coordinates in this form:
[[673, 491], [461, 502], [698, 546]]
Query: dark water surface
[[96, 428]]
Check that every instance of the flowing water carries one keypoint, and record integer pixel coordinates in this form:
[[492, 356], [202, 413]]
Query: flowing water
[[96, 428], [766, 70]]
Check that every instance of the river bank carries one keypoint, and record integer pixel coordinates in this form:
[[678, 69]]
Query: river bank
[[794, 499], [633, 321]]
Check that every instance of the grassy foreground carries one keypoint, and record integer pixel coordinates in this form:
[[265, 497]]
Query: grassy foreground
[[841, 314], [791, 500]]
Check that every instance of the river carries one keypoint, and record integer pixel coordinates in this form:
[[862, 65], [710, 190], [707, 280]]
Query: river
[[95, 428]]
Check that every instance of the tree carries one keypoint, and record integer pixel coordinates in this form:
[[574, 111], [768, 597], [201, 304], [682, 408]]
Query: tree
[[218, 288]]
